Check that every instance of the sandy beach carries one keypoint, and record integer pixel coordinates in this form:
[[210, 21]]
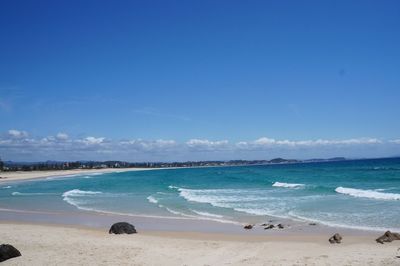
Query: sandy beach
[[78, 237], [24, 175], [56, 245]]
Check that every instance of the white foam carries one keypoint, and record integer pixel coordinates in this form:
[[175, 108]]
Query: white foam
[[179, 213], [16, 193], [215, 219], [225, 198], [151, 199], [371, 194], [287, 185], [78, 192], [69, 196], [333, 224], [207, 214], [7, 187], [93, 174], [61, 177]]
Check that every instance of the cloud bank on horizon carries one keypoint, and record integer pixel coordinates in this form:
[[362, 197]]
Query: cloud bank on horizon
[[19, 145]]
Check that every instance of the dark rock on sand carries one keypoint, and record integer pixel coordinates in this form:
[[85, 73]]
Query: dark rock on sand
[[8, 252], [336, 238], [269, 226], [388, 237], [248, 226], [280, 226], [122, 228], [312, 224]]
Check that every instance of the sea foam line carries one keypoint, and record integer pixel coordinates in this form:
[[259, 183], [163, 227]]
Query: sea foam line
[[69, 195], [151, 199], [371, 194], [287, 185], [16, 193], [340, 225], [207, 214]]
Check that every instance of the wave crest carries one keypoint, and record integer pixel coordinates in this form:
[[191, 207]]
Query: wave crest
[[78, 192], [16, 193], [371, 194], [151, 199], [287, 185], [71, 195]]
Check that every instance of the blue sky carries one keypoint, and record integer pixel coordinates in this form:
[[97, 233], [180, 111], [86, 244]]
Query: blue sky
[[151, 78]]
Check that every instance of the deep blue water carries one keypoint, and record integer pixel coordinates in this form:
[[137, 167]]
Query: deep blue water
[[361, 194]]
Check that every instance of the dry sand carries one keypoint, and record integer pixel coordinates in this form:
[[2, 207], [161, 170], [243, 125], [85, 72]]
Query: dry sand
[[22, 175], [55, 245]]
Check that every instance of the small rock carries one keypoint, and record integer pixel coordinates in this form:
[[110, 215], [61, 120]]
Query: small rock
[[248, 226], [280, 226], [122, 228], [7, 252], [336, 238], [388, 237], [269, 226], [312, 224]]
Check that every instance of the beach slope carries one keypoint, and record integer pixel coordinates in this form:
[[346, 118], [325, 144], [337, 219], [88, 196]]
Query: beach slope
[[55, 245]]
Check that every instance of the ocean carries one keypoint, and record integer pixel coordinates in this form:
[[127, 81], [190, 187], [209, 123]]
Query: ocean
[[357, 194]]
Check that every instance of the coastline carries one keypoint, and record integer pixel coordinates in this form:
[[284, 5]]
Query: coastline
[[40, 245], [177, 240], [28, 175]]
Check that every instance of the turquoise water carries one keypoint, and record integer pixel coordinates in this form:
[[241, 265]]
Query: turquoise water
[[362, 194]]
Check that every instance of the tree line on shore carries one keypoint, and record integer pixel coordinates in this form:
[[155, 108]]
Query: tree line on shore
[[60, 165]]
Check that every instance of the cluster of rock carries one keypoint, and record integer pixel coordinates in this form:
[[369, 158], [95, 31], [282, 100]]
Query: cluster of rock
[[248, 226], [8, 252], [336, 239], [271, 226], [265, 225], [388, 237]]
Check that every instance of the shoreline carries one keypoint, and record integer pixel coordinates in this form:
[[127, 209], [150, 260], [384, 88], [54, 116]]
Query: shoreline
[[102, 220], [80, 237], [44, 244], [291, 224], [31, 175]]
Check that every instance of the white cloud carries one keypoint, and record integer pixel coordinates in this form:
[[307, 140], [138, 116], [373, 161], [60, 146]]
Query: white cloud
[[270, 143], [92, 140], [17, 133], [15, 144], [207, 145], [148, 145], [62, 136]]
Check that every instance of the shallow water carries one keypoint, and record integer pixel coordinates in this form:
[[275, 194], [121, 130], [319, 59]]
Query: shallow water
[[362, 194]]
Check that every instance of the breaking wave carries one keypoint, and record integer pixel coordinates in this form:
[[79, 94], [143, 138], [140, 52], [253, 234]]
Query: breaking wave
[[16, 193], [371, 194], [151, 199], [287, 185], [72, 196]]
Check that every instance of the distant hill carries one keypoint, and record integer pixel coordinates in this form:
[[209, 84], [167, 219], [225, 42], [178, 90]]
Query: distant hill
[[326, 160]]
